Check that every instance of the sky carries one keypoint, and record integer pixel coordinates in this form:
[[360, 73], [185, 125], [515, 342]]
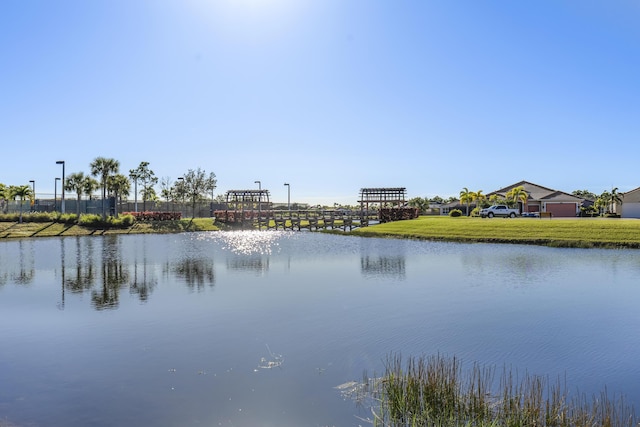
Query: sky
[[330, 96]]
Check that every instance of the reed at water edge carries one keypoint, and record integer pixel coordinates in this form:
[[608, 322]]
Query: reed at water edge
[[434, 391]]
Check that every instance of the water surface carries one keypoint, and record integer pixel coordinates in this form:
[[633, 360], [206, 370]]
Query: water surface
[[258, 328]]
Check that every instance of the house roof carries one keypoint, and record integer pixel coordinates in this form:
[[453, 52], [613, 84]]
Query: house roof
[[631, 196], [538, 192]]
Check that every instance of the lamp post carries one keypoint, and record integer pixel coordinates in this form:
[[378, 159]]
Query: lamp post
[[33, 187], [133, 174], [55, 194], [288, 195], [61, 162], [181, 189]]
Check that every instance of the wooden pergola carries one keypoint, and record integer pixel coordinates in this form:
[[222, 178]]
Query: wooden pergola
[[243, 200], [392, 203], [394, 197]]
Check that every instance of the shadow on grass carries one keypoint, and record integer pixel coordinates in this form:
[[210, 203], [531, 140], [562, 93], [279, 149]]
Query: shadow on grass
[[42, 229]]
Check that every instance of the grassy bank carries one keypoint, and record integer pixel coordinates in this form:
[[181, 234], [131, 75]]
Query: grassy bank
[[50, 229], [561, 232]]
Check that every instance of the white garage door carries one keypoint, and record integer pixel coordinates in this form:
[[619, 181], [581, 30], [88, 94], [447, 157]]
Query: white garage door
[[630, 210]]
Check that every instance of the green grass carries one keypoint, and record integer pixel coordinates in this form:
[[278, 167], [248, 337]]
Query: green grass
[[50, 229], [562, 232]]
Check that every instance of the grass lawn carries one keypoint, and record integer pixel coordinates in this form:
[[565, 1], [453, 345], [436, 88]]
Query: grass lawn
[[564, 232], [49, 229]]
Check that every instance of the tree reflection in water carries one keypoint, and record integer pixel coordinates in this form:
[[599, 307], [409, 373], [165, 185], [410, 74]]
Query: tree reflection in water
[[84, 275], [383, 267], [142, 284], [196, 272], [114, 276], [24, 275]]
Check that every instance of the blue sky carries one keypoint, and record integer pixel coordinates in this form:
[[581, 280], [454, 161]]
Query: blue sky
[[328, 95]]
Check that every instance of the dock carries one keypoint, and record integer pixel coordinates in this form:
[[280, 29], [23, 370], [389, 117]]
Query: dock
[[297, 220]]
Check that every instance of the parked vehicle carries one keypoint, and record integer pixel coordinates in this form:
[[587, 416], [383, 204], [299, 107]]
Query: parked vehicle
[[499, 210]]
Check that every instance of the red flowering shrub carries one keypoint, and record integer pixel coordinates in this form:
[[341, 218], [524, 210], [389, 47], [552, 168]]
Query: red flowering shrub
[[155, 216]]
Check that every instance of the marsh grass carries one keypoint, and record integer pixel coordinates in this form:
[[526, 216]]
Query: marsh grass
[[435, 391], [561, 232]]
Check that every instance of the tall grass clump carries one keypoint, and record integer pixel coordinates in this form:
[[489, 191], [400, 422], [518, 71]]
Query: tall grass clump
[[29, 217], [9, 217], [435, 391], [67, 218], [96, 221]]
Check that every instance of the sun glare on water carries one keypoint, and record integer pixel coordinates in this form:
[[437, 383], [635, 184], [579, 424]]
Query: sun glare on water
[[249, 242]]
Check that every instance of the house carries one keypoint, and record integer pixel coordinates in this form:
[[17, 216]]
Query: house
[[539, 199], [630, 206], [543, 199]]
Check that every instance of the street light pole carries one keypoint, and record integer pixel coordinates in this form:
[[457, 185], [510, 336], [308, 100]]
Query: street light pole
[[61, 162], [288, 195], [33, 183], [55, 194], [181, 189]]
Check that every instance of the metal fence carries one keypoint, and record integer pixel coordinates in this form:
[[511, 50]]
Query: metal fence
[[202, 209]]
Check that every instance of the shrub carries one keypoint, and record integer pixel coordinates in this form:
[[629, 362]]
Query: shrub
[[475, 212], [454, 213], [90, 220], [37, 217], [96, 221], [67, 218], [127, 220], [10, 217]]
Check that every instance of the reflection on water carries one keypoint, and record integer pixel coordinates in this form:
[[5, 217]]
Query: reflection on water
[[522, 266], [195, 273], [253, 264], [383, 267], [24, 270]]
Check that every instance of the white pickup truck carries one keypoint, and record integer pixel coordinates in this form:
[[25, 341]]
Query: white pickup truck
[[498, 210]]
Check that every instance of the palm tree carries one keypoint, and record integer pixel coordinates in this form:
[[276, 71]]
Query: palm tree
[[518, 194], [466, 197], [104, 168], [603, 201], [76, 182], [119, 185], [479, 198], [21, 191], [616, 198], [90, 185]]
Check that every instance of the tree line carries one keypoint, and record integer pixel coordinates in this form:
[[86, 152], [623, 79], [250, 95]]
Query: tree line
[[104, 174]]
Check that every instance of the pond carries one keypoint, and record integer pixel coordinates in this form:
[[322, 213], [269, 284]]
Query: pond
[[256, 328]]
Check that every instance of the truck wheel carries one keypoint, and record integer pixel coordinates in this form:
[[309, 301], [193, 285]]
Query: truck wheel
[[512, 215], [490, 215]]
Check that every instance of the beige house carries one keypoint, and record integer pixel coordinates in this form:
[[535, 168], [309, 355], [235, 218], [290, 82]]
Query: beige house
[[630, 207], [539, 199], [543, 199]]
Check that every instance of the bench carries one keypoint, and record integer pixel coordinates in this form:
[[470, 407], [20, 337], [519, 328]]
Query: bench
[[546, 215]]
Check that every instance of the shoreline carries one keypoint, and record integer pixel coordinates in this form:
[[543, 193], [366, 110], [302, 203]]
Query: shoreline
[[561, 233]]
